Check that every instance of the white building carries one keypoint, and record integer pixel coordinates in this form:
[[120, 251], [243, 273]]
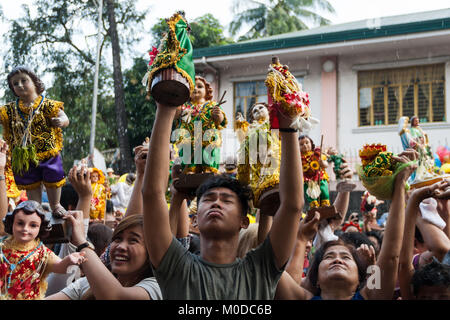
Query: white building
[[361, 77]]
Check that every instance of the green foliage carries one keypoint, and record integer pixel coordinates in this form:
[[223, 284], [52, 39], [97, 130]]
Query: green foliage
[[52, 41], [273, 17], [140, 109], [206, 31]]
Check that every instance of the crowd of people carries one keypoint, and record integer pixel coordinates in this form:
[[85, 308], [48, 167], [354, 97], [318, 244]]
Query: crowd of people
[[143, 238]]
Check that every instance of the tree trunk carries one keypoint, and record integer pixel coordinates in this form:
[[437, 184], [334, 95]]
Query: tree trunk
[[126, 161]]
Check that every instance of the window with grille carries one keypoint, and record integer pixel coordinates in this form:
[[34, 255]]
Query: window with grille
[[246, 94], [386, 95]]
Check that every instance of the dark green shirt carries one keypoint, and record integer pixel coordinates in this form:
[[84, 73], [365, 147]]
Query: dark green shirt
[[185, 276]]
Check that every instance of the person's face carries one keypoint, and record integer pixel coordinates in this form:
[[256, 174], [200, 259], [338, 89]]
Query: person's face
[[94, 177], [375, 242], [353, 218], [338, 265], [260, 112], [219, 211], [351, 229], [305, 145], [26, 226], [199, 91], [23, 85], [433, 293], [128, 252], [415, 122]]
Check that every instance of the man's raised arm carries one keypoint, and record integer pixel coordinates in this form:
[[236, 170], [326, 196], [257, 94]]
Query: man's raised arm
[[156, 214], [285, 223]]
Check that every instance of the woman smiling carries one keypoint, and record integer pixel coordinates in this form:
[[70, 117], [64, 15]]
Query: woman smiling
[[131, 276]]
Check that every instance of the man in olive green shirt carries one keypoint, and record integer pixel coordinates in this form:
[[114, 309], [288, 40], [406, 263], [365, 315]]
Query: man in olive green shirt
[[222, 208]]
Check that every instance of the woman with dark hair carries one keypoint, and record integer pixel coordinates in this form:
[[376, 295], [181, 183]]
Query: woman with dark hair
[[337, 273], [127, 274], [25, 261]]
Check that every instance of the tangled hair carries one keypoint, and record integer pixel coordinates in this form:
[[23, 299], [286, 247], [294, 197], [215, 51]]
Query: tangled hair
[[434, 274], [313, 272], [244, 192], [208, 88], [305, 136], [250, 113], [29, 207], [40, 87]]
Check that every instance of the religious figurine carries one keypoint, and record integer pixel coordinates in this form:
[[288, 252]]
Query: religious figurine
[[200, 121], [417, 139], [286, 95], [263, 172], [32, 128], [343, 185], [25, 261], [99, 195], [314, 175], [171, 72], [378, 170]]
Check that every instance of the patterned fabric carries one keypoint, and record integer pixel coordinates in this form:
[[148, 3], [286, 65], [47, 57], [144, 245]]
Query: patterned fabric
[[28, 278], [258, 175], [98, 201], [311, 167], [211, 139], [47, 138]]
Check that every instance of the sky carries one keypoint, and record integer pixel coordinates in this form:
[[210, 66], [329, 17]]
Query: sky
[[346, 11]]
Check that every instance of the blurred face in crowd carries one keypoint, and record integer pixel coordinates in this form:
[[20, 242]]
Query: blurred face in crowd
[[128, 252], [305, 145], [338, 265], [94, 177], [26, 226], [433, 293]]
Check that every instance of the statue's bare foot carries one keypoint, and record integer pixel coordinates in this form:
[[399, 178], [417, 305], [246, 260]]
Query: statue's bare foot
[[59, 211]]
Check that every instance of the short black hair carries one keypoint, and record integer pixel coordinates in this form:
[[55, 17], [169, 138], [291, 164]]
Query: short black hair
[[433, 274], [376, 234], [244, 192], [356, 239], [68, 196], [40, 87]]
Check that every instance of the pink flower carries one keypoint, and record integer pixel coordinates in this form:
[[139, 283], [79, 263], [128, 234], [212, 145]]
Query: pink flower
[[153, 55]]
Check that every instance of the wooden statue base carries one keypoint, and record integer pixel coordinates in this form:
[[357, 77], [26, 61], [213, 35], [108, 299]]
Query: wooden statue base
[[328, 212], [345, 186], [188, 183], [170, 88], [269, 202], [428, 182], [61, 232]]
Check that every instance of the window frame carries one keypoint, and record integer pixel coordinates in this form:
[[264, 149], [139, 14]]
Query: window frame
[[400, 87]]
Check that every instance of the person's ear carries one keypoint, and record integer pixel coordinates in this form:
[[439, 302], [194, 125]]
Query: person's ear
[[245, 222]]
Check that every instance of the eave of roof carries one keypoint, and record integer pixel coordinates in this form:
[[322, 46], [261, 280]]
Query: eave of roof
[[360, 30]]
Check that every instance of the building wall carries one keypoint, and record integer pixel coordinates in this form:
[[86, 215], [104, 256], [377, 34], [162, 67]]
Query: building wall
[[350, 136]]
